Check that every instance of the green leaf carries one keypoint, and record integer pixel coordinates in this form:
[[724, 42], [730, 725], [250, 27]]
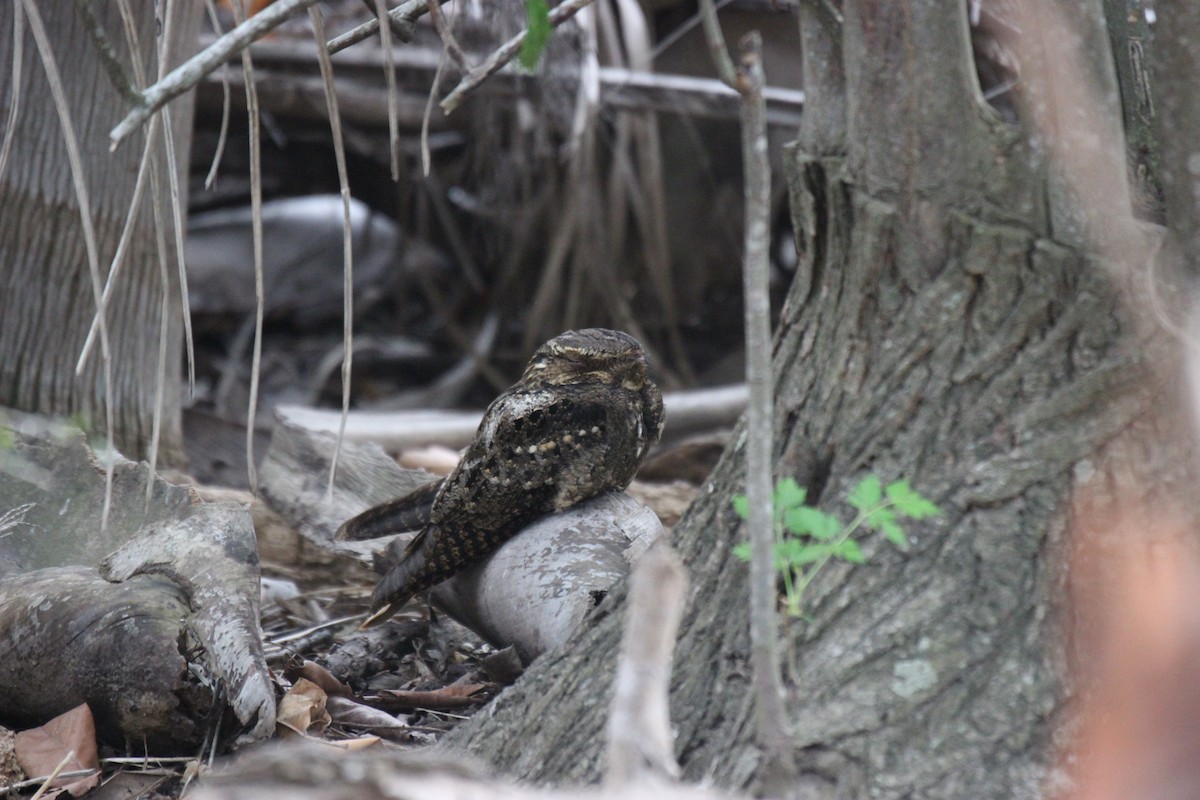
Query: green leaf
[[880, 517], [741, 505], [811, 552], [910, 502], [742, 551], [894, 533], [867, 494], [537, 24], [789, 494], [809, 521], [787, 553], [850, 551]]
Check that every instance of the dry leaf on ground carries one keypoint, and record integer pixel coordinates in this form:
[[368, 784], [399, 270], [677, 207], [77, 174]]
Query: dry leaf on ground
[[359, 717], [41, 750], [456, 695], [302, 709]]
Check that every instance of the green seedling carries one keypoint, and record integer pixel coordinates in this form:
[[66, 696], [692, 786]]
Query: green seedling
[[806, 538]]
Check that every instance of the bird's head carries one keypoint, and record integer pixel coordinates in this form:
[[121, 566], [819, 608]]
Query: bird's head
[[591, 355]]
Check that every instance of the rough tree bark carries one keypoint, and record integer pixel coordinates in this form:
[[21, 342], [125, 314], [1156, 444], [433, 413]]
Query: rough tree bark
[[46, 298], [947, 325]]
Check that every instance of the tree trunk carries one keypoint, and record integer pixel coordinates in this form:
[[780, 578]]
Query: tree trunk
[[946, 326], [46, 297]]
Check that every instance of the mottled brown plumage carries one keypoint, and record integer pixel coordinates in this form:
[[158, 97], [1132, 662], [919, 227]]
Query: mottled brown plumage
[[576, 425]]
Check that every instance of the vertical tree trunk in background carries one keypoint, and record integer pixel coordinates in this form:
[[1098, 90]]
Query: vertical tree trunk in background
[[946, 326], [46, 299]]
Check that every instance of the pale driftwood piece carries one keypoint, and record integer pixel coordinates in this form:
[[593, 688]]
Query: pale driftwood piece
[[117, 612], [531, 593], [282, 551], [687, 412], [211, 557], [293, 480], [312, 771], [301, 237], [536, 589], [640, 743]]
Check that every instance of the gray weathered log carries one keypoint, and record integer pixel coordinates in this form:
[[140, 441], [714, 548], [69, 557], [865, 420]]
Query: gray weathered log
[[128, 616], [302, 236], [538, 586]]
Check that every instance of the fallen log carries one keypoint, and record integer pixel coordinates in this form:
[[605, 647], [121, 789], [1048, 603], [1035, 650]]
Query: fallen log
[[151, 620]]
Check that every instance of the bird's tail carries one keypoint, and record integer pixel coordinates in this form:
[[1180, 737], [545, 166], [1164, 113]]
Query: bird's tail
[[414, 572], [408, 513]]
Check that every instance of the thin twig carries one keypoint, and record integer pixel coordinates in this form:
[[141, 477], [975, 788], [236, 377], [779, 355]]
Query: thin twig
[[449, 43], [70, 756], [167, 32], [146, 760], [402, 16], [504, 54], [389, 74], [38, 781], [79, 179], [139, 186], [189, 73], [292, 636], [256, 232], [829, 8], [117, 75], [772, 726], [678, 33], [716, 44], [400, 29], [160, 244], [18, 62], [226, 102], [148, 165], [164, 310], [426, 159], [339, 152]]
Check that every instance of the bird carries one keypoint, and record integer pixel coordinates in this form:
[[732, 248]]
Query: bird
[[576, 425]]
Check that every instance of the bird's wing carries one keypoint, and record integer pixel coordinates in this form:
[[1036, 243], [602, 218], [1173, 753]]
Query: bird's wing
[[521, 429]]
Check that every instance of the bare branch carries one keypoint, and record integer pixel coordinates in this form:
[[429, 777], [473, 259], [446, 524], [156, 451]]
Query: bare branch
[[339, 152], [14, 108], [223, 136], [176, 196], [402, 18], [716, 44], [79, 178], [256, 232], [192, 71], [640, 744], [117, 75], [770, 701], [504, 54], [450, 44], [389, 74]]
